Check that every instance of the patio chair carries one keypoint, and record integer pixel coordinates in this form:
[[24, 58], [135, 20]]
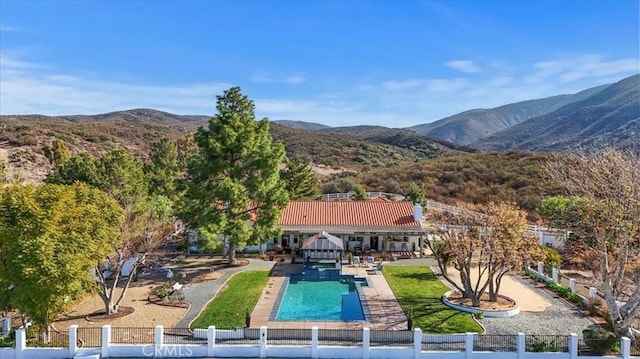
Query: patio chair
[[375, 269], [356, 261], [370, 261]]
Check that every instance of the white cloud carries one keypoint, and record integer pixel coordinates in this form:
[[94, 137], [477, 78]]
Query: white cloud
[[466, 66], [581, 67], [27, 88], [293, 79]]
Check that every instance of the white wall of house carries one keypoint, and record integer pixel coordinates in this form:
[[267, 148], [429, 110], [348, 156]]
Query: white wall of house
[[552, 237]]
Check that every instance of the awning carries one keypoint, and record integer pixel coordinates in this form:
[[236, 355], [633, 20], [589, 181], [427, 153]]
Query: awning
[[323, 241]]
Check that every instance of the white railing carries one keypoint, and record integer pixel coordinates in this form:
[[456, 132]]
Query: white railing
[[292, 343], [349, 195]]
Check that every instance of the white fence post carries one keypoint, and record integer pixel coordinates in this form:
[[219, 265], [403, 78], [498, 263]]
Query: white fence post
[[593, 292], [554, 275], [417, 343], [314, 342], [21, 342], [73, 340], [468, 345], [541, 268], [625, 348], [572, 285], [158, 336], [211, 340], [6, 326], [106, 340], [263, 341], [522, 345], [366, 339], [573, 345]]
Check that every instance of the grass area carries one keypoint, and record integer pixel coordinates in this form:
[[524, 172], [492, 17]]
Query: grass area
[[228, 309], [417, 288]]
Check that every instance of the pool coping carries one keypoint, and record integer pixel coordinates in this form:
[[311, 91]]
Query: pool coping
[[366, 314], [380, 307]]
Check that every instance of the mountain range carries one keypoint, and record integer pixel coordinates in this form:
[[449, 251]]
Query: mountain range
[[606, 115]]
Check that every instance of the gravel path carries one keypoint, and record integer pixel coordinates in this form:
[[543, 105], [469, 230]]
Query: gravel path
[[200, 294], [560, 318]]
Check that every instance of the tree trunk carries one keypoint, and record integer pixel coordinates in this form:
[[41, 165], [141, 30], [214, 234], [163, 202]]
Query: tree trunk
[[109, 307], [468, 291], [493, 296], [232, 254]]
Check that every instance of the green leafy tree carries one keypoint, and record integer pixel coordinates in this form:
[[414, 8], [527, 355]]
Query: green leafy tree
[[234, 186], [359, 193], [300, 179], [416, 194], [146, 227], [79, 168], [58, 153], [51, 236]]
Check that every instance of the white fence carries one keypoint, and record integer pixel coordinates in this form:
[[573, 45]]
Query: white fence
[[305, 343]]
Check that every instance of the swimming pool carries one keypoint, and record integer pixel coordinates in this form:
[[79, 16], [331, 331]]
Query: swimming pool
[[325, 299]]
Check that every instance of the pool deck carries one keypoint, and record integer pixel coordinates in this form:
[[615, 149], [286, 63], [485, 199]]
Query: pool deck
[[384, 310]]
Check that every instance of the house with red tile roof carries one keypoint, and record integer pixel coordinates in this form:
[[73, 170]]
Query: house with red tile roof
[[372, 224]]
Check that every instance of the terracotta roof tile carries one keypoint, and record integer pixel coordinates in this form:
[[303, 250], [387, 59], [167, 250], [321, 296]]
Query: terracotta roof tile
[[348, 213]]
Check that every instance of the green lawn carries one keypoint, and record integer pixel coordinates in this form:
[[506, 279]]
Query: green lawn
[[417, 288], [227, 310]]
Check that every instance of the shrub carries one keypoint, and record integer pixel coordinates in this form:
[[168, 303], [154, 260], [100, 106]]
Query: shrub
[[541, 345], [9, 340], [601, 342], [162, 291]]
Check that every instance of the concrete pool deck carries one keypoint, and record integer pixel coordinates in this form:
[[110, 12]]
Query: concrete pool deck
[[385, 311]]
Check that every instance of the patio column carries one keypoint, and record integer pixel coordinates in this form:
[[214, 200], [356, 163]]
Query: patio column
[[6, 326]]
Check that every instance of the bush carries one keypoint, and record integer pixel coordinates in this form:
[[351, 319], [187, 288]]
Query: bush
[[9, 340], [601, 342], [541, 346], [162, 291]]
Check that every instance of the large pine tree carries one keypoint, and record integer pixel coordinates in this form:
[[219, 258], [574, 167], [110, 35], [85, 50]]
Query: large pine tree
[[234, 185]]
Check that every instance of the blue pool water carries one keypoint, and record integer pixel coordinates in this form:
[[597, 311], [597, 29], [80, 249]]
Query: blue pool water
[[321, 299]]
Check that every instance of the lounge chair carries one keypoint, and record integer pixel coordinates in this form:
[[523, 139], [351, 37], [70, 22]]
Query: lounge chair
[[375, 269]]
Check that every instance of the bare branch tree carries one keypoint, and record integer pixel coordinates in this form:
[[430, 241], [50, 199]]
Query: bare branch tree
[[491, 240], [608, 225]]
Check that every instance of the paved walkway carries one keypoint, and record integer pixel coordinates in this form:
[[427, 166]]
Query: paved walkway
[[200, 294], [541, 312]]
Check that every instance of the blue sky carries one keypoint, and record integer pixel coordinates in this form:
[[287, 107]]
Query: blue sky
[[389, 63]]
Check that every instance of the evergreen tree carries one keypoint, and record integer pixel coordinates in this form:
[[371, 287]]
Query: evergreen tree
[[300, 180], [234, 186], [164, 168]]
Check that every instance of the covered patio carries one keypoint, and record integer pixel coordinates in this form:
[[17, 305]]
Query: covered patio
[[322, 246]]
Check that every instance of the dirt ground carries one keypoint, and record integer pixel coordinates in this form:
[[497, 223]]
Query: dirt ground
[[527, 298], [145, 315], [195, 269]]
